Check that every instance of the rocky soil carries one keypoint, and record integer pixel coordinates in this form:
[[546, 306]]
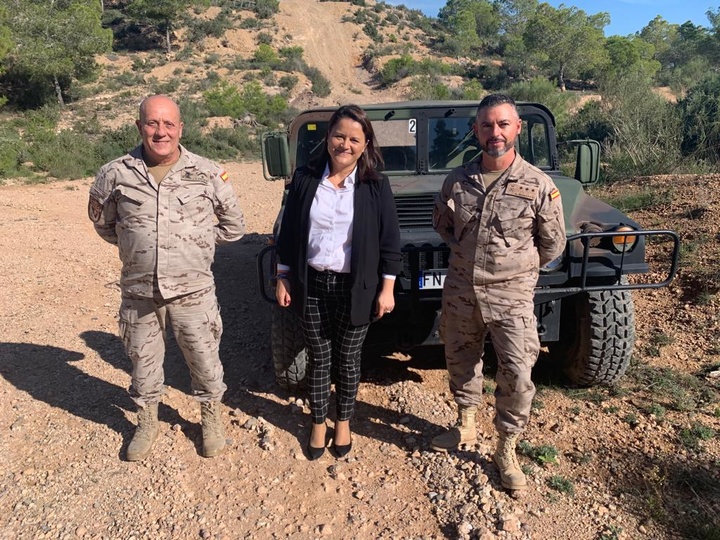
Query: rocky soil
[[66, 419]]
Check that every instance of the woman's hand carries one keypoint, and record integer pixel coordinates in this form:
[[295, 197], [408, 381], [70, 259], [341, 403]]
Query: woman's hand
[[282, 292], [385, 301]]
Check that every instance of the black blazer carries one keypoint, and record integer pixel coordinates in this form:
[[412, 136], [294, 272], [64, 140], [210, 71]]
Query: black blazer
[[375, 241]]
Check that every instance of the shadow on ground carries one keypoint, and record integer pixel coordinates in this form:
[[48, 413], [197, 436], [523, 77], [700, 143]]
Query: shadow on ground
[[50, 374]]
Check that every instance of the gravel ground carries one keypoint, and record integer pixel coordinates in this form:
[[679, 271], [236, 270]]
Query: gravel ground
[[66, 419]]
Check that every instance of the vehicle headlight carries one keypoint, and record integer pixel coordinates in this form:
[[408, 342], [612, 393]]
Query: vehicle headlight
[[622, 243]]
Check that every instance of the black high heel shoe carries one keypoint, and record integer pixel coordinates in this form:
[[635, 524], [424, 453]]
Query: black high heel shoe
[[342, 450], [315, 453]]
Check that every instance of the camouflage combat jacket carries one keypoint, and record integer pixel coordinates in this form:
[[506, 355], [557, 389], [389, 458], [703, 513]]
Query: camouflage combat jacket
[[167, 232], [499, 238]]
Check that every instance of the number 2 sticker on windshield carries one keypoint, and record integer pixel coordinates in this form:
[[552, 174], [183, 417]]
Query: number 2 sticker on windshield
[[412, 125]]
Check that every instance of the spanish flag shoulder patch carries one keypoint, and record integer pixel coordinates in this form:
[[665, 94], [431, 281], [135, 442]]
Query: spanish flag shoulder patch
[[554, 194], [224, 176]]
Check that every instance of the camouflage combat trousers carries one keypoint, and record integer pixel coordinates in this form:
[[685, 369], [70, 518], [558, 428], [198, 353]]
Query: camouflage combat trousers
[[197, 326], [516, 345]]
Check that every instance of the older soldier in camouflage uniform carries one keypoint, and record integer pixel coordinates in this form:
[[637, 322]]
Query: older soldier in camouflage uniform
[[166, 208], [502, 219]]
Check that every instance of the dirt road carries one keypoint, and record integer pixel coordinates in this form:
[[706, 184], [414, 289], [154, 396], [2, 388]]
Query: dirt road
[[66, 419]]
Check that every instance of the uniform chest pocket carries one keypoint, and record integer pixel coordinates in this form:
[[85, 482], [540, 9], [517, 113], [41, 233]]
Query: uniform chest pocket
[[515, 219], [195, 203], [130, 204], [464, 214]]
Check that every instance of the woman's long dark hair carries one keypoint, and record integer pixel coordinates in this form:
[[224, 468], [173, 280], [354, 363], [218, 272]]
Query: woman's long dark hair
[[370, 161]]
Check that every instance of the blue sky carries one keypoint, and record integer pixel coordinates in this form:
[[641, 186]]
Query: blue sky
[[626, 16]]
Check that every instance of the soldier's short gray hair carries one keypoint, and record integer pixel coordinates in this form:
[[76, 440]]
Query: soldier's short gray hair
[[495, 100]]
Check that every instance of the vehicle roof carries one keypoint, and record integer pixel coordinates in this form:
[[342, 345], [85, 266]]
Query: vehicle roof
[[427, 104]]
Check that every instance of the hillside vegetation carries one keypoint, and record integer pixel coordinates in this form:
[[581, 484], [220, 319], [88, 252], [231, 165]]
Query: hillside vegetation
[[240, 67]]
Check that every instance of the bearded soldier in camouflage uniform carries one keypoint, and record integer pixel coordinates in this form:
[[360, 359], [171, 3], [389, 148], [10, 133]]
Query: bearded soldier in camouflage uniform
[[502, 219], [166, 209]]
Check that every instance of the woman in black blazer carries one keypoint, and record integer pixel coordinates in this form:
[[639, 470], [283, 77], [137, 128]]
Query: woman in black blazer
[[338, 255]]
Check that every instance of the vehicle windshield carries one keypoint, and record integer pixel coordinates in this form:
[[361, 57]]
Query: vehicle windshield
[[450, 142], [397, 140]]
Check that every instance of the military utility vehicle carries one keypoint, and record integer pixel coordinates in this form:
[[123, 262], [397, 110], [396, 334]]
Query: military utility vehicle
[[583, 304]]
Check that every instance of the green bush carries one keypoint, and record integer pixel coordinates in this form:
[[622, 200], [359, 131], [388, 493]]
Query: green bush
[[198, 29], [472, 90], [264, 38], [223, 144], [645, 129], [113, 144], [265, 55], [426, 87], [288, 82], [405, 66], [700, 112], [561, 484], [542, 90], [291, 59], [372, 32], [542, 455], [226, 100], [591, 121], [65, 155], [249, 23], [265, 9], [166, 87], [320, 84], [11, 148], [397, 69], [691, 436]]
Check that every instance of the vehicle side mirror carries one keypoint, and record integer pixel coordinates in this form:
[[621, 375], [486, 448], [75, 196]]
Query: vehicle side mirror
[[587, 162], [275, 156]]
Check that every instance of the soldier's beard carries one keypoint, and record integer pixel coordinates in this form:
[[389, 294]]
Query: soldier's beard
[[496, 152]]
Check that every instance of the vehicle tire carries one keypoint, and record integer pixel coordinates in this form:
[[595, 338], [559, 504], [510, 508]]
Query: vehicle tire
[[288, 349], [597, 335]]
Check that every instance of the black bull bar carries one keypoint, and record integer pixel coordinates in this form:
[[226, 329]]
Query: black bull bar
[[581, 261]]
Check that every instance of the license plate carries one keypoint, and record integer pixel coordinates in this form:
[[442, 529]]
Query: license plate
[[432, 279]]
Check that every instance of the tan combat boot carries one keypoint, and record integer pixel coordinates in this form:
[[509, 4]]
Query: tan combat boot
[[511, 474], [463, 432], [212, 428], [145, 433]]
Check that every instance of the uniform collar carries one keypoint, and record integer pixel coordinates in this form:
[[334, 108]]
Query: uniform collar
[[474, 169]]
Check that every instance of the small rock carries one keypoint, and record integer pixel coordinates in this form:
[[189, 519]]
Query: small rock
[[465, 528], [266, 444], [509, 523]]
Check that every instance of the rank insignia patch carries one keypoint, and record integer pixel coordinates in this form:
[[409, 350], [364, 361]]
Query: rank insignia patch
[[95, 209]]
